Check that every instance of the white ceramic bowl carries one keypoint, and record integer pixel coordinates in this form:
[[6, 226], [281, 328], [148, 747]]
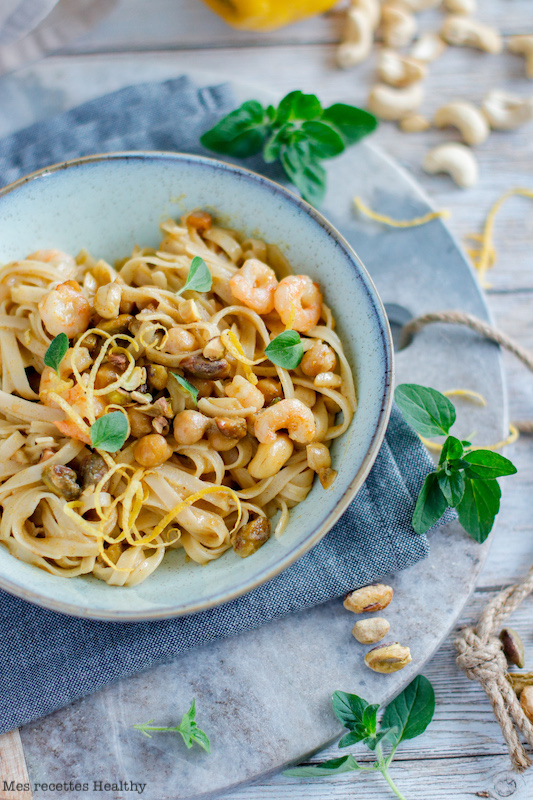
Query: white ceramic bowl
[[109, 203]]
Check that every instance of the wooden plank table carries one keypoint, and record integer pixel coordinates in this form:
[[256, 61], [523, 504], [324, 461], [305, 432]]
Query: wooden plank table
[[462, 755]]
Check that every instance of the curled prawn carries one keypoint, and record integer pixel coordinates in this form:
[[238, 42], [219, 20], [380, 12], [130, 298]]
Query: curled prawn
[[75, 396], [254, 285], [291, 415], [65, 310], [298, 302]]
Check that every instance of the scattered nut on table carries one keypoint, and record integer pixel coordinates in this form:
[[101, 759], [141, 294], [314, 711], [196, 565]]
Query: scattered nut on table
[[467, 118], [414, 123], [523, 46], [398, 25], [375, 597], [399, 70], [368, 631], [520, 680], [506, 111], [357, 40], [391, 103], [513, 647], [456, 160], [428, 47], [387, 658], [526, 701], [463, 31]]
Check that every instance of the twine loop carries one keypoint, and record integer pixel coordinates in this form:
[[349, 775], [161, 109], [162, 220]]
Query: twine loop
[[479, 651]]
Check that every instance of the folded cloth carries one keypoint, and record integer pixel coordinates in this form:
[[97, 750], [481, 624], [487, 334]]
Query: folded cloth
[[47, 659]]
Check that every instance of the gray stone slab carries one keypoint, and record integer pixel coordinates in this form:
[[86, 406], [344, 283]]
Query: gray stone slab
[[263, 696]]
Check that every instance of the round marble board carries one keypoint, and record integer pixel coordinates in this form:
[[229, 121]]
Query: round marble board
[[264, 696]]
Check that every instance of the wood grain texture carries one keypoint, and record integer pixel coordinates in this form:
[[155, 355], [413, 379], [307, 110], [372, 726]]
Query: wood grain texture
[[462, 754], [13, 772]]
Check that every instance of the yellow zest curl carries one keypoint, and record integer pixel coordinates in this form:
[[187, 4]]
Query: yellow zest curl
[[399, 223], [234, 348], [192, 499], [468, 394]]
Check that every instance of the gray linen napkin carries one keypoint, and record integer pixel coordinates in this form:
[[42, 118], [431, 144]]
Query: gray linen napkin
[[47, 659]]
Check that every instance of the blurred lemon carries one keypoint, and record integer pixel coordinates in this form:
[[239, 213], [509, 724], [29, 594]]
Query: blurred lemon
[[267, 15]]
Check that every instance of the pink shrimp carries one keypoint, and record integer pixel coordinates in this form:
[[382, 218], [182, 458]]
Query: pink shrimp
[[65, 310], [298, 302], [254, 285]]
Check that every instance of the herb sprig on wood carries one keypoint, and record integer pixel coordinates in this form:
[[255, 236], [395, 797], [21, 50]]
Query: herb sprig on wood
[[407, 716], [299, 133], [465, 478]]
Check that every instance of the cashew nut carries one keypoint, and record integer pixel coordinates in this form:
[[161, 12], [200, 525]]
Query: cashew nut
[[523, 46], [455, 159], [398, 26], [357, 41], [421, 5], [461, 6], [467, 118], [398, 70], [371, 8], [428, 47], [465, 32], [506, 111], [390, 103], [415, 123]]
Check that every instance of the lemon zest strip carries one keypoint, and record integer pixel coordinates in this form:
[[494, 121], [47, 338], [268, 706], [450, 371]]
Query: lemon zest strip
[[399, 223], [468, 394], [188, 502], [234, 347]]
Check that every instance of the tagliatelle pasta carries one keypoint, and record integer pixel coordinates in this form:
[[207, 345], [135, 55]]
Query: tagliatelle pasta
[[217, 438]]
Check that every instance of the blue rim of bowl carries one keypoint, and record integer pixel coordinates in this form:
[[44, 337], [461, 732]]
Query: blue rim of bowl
[[370, 456]]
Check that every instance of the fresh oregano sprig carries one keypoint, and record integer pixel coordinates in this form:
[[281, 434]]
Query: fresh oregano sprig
[[186, 386], [465, 478], [299, 133], [285, 350], [199, 278], [57, 351], [188, 729], [110, 431], [407, 716]]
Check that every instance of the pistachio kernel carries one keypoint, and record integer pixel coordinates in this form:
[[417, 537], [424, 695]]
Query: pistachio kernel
[[520, 680], [387, 658], [513, 647], [375, 597], [526, 702], [368, 631]]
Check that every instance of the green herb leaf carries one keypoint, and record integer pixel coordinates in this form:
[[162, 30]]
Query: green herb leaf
[[286, 350], [486, 464], [199, 278], [452, 449], [298, 106], [188, 729], [304, 171], [357, 734], [241, 133], [426, 410], [479, 506], [411, 712], [352, 123], [334, 767], [452, 486], [110, 432], [430, 505], [349, 709], [384, 734], [192, 390], [325, 141], [57, 351]]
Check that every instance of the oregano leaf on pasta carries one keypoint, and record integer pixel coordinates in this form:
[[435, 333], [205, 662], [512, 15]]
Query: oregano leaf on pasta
[[56, 351], [286, 350], [199, 278], [192, 390], [110, 432]]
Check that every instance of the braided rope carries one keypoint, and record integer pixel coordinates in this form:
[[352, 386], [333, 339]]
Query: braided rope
[[480, 652]]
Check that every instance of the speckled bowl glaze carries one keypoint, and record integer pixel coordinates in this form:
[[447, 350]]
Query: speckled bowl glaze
[[109, 203]]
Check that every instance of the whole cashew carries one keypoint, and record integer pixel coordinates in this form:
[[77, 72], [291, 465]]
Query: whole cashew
[[398, 26], [461, 6], [455, 159], [467, 118], [393, 104], [523, 46], [415, 123], [506, 111], [398, 70], [372, 8], [465, 32], [428, 47], [420, 5], [357, 41]]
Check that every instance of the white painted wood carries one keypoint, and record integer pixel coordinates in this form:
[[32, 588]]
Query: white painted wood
[[462, 754]]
